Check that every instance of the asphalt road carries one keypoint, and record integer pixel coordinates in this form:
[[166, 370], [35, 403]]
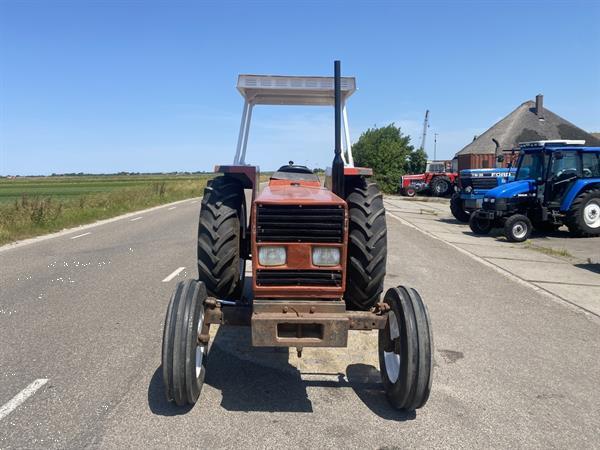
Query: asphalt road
[[513, 368]]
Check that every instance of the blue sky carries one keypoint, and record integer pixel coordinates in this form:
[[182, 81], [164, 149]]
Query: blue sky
[[109, 86]]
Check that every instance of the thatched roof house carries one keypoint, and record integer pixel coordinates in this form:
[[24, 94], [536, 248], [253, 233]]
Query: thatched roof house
[[529, 122]]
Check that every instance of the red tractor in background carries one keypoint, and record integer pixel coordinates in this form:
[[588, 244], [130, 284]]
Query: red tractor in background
[[438, 180]]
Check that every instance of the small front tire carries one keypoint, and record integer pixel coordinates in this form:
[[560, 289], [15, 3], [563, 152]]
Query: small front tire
[[406, 350], [409, 192], [183, 354], [517, 228]]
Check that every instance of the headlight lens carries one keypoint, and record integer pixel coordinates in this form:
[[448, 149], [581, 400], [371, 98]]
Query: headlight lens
[[272, 256], [326, 256]]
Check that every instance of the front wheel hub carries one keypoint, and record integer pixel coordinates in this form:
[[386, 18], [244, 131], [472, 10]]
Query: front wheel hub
[[519, 230], [591, 215]]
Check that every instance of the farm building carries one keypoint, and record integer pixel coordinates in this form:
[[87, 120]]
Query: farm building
[[529, 122]]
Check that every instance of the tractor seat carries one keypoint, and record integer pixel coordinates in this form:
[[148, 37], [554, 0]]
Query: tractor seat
[[294, 172], [294, 168]]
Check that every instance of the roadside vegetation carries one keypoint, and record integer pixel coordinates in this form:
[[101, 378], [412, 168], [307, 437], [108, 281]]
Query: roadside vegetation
[[548, 250], [31, 206]]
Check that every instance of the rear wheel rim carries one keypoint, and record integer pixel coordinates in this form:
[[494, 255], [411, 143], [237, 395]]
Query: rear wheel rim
[[591, 215], [392, 359], [519, 230]]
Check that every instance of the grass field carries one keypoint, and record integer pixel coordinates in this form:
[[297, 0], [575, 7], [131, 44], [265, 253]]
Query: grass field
[[30, 206]]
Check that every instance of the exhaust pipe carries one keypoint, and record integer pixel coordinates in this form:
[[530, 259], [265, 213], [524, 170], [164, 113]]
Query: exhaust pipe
[[337, 167]]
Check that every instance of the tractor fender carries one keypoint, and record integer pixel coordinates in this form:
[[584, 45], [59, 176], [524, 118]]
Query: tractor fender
[[510, 190], [579, 186]]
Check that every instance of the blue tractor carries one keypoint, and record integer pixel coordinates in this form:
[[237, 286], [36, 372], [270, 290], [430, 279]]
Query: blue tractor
[[557, 183], [472, 186]]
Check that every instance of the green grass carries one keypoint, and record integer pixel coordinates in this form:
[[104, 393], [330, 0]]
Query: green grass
[[31, 206], [548, 250]]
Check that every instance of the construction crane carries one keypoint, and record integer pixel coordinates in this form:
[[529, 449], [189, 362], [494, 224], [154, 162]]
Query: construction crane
[[425, 126]]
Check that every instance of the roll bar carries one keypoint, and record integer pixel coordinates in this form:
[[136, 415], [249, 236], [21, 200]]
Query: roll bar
[[291, 90]]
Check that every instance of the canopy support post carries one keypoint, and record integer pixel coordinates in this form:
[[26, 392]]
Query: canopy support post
[[245, 144], [347, 137], [236, 159]]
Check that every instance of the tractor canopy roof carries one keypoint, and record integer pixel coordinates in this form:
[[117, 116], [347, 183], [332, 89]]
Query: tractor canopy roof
[[557, 145], [292, 90]]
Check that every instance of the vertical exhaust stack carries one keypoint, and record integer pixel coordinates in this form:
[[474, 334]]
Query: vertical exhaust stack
[[337, 168]]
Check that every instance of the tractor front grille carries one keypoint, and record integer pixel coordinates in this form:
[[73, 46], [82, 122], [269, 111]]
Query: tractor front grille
[[331, 278], [300, 223], [484, 182]]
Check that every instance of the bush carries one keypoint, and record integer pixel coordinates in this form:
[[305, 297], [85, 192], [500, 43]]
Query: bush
[[389, 153]]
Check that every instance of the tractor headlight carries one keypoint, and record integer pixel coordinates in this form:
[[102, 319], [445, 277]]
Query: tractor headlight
[[272, 256], [326, 256], [492, 200], [468, 189]]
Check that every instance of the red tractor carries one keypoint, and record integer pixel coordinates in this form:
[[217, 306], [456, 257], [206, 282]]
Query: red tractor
[[318, 260], [438, 180]]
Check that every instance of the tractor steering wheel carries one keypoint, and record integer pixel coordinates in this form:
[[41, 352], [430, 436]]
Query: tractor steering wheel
[[587, 173]]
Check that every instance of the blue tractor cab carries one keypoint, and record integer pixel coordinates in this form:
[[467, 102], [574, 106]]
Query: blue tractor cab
[[472, 186], [556, 183]]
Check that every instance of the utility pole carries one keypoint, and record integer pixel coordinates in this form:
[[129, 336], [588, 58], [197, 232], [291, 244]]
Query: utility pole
[[435, 135], [425, 126]]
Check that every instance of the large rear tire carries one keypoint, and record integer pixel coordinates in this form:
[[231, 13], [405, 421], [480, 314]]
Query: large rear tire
[[478, 225], [406, 350], [367, 244], [183, 354], [221, 230], [458, 210], [583, 217], [440, 186]]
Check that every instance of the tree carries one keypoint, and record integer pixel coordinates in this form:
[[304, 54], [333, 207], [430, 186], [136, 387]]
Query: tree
[[388, 152], [417, 161]]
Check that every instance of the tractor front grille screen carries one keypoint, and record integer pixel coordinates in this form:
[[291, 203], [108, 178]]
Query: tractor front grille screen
[[300, 223], [332, 278], [479, 182]]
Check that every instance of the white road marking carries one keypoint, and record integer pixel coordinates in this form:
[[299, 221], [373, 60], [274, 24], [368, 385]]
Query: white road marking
[[193, 201], [136, 218], [81, 235], [172, 207], [173, 274], [18, 399]]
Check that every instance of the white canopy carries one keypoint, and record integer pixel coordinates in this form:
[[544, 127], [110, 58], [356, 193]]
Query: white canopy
[[283, 90], [290, 90]]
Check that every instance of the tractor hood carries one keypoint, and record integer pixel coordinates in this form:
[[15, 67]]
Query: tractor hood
[[498, 172], [510, 190], [413, 177], [294, 195]]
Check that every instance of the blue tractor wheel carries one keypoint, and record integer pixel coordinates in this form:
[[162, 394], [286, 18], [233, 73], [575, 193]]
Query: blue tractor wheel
[[583, 217], [517, 228], [458, 210], [480, 225]]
